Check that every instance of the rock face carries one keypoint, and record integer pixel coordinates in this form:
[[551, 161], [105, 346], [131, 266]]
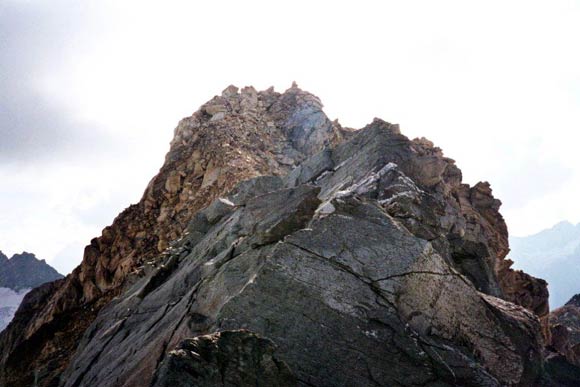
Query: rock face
[[563, 361], [17, 276], [258, 133], [227, 358], [565, 328], [345, 257]]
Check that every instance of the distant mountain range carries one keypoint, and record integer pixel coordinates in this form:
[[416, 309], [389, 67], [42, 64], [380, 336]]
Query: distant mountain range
[[554, 255], [18, 275]]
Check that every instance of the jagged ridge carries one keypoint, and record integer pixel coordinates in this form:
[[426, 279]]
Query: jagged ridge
[[419, 198], [232, 137], [25, 271]]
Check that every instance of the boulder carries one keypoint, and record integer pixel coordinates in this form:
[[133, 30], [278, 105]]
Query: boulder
[[228, 358]]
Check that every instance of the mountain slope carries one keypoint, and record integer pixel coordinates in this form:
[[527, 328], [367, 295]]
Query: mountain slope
[[232, 137], [325, 257], [362, 244], [553, 254]]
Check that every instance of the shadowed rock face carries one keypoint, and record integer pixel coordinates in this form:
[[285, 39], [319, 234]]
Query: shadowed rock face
[[235, 136], [315, 263], [565, 330], [228, 358], [563, 359], [362, 258], [574, 301]]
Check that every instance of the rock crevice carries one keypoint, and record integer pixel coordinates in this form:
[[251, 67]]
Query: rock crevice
[[274, 242]]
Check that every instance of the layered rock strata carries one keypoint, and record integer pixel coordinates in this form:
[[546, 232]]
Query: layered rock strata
[[362, 246], [235, 136]]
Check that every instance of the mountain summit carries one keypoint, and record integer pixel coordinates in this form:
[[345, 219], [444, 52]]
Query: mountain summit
[[24, 271], [276, 247], [17, 276]]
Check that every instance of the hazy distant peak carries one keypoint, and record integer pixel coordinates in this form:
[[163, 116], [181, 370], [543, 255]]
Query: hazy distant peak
[[563, 225], [24, 270], [25, 256], [553, 254]]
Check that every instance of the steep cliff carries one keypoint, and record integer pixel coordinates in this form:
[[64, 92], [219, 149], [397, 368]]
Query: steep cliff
[[362, 246]]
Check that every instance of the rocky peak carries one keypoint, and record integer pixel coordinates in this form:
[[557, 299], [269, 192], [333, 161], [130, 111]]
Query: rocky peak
[[238, 135], [25, 271], [261, 196], [26, 257], [232, 137], [350, 245]]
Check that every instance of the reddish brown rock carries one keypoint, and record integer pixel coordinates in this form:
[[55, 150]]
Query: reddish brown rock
[[523, 289], [565, 329], [207, 158], [477, 231], [240, 135]]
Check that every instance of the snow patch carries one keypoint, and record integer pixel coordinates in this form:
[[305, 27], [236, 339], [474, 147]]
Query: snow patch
[[9, 302], [368, 183]]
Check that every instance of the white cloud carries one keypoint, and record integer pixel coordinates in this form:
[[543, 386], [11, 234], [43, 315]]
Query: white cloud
[[495, 84]]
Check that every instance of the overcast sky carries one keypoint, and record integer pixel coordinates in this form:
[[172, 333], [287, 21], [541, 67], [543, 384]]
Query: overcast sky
[[91, 91]]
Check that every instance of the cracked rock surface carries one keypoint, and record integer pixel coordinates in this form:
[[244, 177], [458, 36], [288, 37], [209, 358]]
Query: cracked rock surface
[[235, 136], [314, 262], [227, 358], [274, 242]]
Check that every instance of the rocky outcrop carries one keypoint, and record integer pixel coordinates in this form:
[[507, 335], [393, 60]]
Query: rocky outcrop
[[524, 289], [235, 136], [565, 330], [228, 358], [360, 246], [315, 263], [563, 349]]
